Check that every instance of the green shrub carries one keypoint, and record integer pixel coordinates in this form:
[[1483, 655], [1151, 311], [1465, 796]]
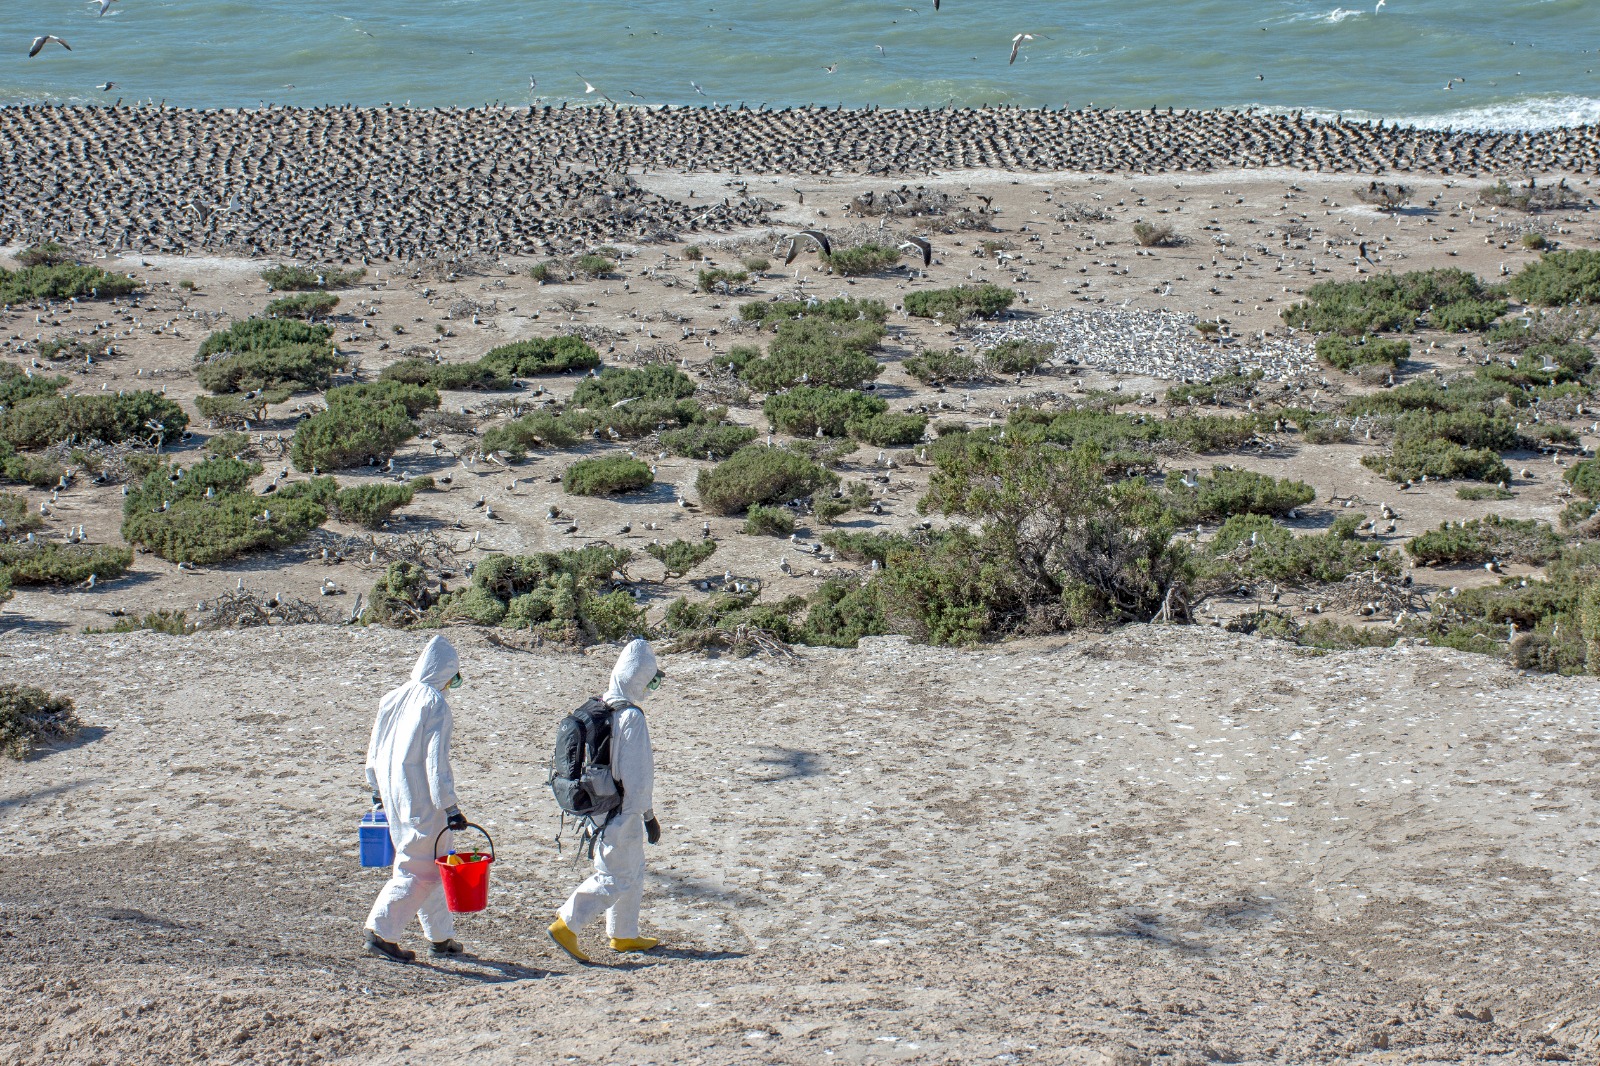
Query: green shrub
[[307, 305], [53, 563], [802, 411], [888, 429], [1479, 540], [49, 253], [1018, 357], [1225, 493], [839, 309], [607, 475], [265, 353], [1347, 354], [594, 266], [960, 303], [62, 281], [759, 475], [1584, 478], [350, 434], [238, 408], [1414, 457], [756, 264], [1467, 316], [541, 429], [1535, 242], [16, 519], [109, 418], [1254, 547], [305, 279], [1560, 278], [16, 385], [709, 279], [1229, 387], [1477, 493], [413, 398], [370, 505], [1154, 234], [817, 351], [475, 375], [1391, 302], [693, 253], [768, 521], [232, 444], [559, 596], [31, 716], [546, 273], [615, 386], [933, 367], [707, 441], [170, 513], [27, 469], [681, 556], [545, 355], [161, 620], [862, 259]]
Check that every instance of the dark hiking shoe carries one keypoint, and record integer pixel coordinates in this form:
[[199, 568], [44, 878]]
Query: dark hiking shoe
[[376, 945], [445, 947]]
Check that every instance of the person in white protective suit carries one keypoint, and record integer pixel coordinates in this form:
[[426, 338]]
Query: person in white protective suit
[[617, 884], [408, 769]]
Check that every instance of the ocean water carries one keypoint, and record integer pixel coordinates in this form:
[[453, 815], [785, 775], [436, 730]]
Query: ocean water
[[1527, 64]]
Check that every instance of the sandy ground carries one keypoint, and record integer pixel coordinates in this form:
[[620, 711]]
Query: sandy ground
[[1243, 262], [1162, 846]]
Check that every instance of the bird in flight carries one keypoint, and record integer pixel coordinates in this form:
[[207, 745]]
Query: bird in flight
[[830, 69], [1016, 44], [107, 87], [697, 88], [816, 237], [920, 245], [103, 5], [1381, 5], [40, 42]]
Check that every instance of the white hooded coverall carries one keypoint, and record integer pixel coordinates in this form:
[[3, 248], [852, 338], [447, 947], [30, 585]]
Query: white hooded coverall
[[408, 763], [617, 884]]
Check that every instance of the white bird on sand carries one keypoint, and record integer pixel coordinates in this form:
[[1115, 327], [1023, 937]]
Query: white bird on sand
[[40, 42]]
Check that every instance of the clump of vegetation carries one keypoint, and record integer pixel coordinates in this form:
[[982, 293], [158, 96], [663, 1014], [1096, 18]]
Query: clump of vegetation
[[861, 259], [1559, 278], [1118, 435], [16, 520], [62, 281], [594, 266], [759, 475], [681, 556], [694, 253], [828, 508], [362, 423], [540, 429], [756, 264], [1229, 388], [547, 273], [305, 279], [1480, 540], [473, 375], [1382, 195], [239, 408], [267, 353], [45, 418], [817, 351], [607, 475], [233, 444], [1534, 242], [707, 441], [1226, 492], [1018, 357], [1253, 547], [708, 280], [934, 367], [888, 429], [208, 513], [544, 355], [802, 411], [1476, 493], [840, 309], [31, 716], [27, 469], [1348, 354], [960, 303], [162, 620], [48, 254], [371, 505], [768, 521], [635, 403], [1529, 197], [53, 563], [307, 305], [562, 596], [1450, 299], [1155, 235]]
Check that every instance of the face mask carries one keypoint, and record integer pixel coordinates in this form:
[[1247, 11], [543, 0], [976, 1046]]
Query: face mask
[[655, 682], [455, 682]]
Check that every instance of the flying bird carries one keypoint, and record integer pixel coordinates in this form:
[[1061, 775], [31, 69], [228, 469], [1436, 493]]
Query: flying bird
[[830, 69], [1016, 45], [818, 238], [1381, 5], [107, 87], [920, 245], [40, 42], [696, 88], [103, 5]]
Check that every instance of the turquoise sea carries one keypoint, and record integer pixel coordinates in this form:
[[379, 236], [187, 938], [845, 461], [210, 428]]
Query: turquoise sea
[[1525, 63]]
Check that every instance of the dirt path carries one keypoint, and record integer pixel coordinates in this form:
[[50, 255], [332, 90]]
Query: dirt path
[[1173, 845]]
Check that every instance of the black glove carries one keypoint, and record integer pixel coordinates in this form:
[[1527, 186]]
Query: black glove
[[652, 830], [377, 800], [457, 821]]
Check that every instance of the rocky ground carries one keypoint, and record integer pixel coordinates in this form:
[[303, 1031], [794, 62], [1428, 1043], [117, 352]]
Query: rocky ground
[[1167, 845]]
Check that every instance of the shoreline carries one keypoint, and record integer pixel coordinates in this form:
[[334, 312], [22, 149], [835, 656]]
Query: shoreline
[[394, 183]]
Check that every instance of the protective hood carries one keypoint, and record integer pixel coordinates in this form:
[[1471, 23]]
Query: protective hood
[[636, 668], [437, 664]]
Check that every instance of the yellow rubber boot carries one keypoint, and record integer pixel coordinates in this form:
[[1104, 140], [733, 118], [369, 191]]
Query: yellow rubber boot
[[566, 939], [634, 943]]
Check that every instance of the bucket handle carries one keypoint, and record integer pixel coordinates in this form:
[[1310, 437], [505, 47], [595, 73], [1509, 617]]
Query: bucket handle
[[470, 825]]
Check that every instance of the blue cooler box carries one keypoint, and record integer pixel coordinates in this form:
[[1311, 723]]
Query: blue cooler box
[[376, 847]]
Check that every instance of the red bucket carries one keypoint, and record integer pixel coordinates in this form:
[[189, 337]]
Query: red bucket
[[466, 883]]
